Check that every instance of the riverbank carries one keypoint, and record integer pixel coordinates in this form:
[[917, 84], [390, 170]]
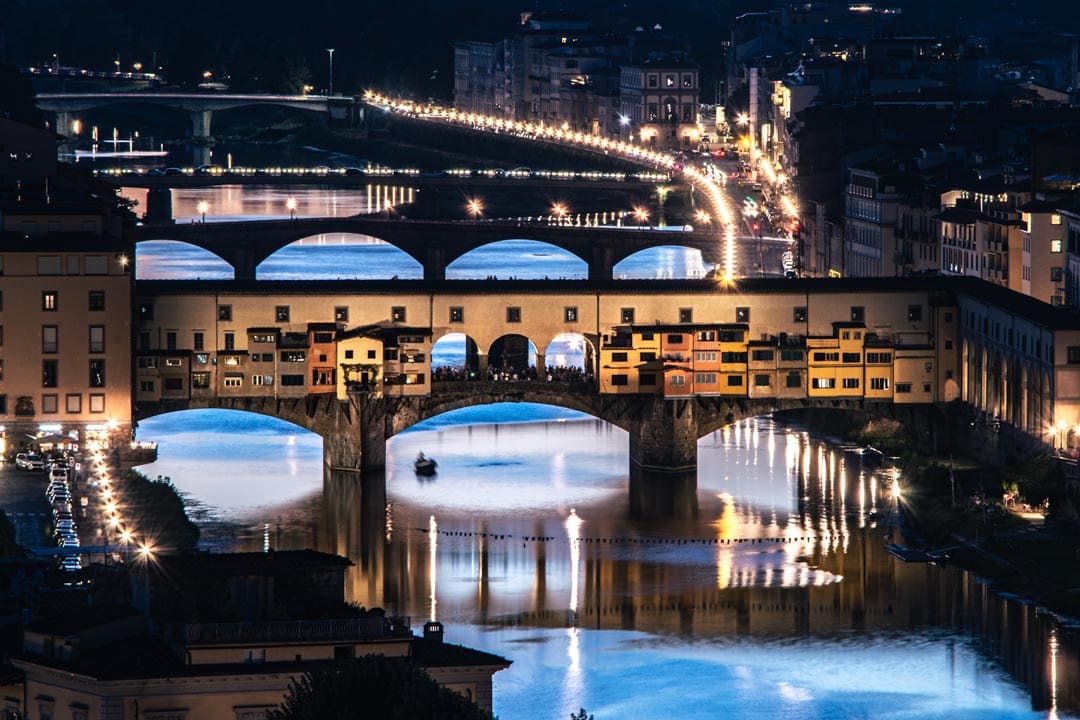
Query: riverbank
[[989, 515], [1014, 546]]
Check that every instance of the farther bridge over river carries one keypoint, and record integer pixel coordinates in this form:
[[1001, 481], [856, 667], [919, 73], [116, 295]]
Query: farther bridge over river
[[199, 107], [434, 244]]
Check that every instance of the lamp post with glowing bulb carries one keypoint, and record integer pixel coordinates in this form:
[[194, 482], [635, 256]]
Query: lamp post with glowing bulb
[[331, 92], [559, 211], [641, 215], [203, 207], [475, 207], [143, 557], [291, 204]]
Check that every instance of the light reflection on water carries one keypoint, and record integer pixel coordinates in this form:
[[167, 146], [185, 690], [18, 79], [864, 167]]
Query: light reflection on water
[[776, 597]]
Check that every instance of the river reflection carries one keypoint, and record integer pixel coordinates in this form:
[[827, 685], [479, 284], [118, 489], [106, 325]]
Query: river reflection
[[766, 590]]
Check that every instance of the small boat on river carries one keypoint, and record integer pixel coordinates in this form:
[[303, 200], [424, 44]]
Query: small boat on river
[[425, 465]]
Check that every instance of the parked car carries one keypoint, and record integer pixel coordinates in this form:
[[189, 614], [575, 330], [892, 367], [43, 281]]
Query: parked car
[[58, 472], [29, 461]]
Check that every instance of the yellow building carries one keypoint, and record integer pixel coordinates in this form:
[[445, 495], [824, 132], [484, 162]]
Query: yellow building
[[630, 362], [835, 362]]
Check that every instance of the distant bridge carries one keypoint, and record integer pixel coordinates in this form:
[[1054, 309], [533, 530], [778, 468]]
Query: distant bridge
[[200, 107], [244, 245]]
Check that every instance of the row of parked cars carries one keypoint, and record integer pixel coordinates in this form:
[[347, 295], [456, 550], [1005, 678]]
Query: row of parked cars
[[59, 495]]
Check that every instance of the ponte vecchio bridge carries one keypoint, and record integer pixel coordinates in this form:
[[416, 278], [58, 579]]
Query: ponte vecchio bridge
[[668, 361]]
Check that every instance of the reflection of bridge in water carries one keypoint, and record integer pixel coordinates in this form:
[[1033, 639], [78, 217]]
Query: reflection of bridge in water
[[499, 582]]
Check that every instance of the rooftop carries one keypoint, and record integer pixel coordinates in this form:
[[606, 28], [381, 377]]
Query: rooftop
[[70, 623]]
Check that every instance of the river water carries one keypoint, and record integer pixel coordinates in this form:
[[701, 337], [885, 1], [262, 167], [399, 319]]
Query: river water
[[764, 589]]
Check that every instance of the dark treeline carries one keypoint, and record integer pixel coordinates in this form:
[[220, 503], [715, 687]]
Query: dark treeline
[[275, 45]]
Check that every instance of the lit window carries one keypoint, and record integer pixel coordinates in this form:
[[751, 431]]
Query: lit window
[[1055, 246]]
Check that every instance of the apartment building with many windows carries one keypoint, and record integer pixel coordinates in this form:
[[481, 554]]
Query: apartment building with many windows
[[65, 333]]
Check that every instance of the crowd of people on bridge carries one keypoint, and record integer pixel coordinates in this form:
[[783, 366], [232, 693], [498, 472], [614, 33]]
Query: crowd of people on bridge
[[553, 373]]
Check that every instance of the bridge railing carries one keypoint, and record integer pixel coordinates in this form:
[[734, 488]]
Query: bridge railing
[[483, 386]]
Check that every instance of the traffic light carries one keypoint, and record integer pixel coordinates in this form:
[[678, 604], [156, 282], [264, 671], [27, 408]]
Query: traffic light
[[755, 227]]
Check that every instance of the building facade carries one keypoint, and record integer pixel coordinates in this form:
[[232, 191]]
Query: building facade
[[66, 315]]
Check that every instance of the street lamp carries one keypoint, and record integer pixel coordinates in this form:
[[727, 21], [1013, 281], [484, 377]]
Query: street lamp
[[331, 51], [203, 207], [641, 215], [475, 207], [559, 211], [703, 217], [291, 204]]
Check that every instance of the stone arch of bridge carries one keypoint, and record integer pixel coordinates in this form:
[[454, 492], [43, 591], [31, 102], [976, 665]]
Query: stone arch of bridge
[[572, 247], [572, 343], [539, 393], [470, 349], [336, 421], [512, 353], [355, 236], [622, 253], [713, 413], [209, 255]]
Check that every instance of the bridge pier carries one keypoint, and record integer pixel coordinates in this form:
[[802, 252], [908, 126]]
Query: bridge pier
[[158, 206], [200, 124], [243, 262], [435, 263], [664, 437], [602, 263], [63, 123]]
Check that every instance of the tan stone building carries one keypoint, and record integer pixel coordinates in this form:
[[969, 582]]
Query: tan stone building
[[66, 315]]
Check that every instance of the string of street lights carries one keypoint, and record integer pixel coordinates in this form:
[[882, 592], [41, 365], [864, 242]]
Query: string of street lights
[[112, 508], [713, 192]]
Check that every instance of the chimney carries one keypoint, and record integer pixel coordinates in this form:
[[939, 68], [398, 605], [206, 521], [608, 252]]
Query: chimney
[[433, 631]]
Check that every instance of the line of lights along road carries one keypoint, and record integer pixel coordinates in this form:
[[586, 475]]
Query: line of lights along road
[[714, 193]]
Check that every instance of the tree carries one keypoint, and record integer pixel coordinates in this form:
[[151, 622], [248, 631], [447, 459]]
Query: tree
[[8, 547], [296, 76], [159, 511], [375, 686], [581, 715], [17, 97]]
